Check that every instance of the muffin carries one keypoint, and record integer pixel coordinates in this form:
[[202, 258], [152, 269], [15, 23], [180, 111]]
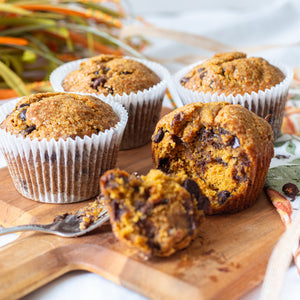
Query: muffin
[[157, 213], [58, 144], [253, 82], [224, 148], [139, 85]]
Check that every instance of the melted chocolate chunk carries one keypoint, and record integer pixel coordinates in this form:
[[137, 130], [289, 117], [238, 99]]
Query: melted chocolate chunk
[[205, 134], [22, 115], [223, 196], [117, 211], [192, 187], [239, 175], [291, 190], [176, 139], [235, 142], [223, 71], [125, 73], [23, 105], [159, 136], [178, 117], [164, 164], [203, 203], [147, 228], [184, 80], [189, 208], [100, 81], [202, 75], [28, 130]]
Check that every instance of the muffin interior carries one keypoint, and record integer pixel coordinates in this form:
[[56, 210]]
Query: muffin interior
[[154, 212], [214, 158]]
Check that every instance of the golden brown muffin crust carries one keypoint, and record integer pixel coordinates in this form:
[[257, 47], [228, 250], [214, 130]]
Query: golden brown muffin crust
[[225, 148], [109, 74], [59, 115], [232, 73]]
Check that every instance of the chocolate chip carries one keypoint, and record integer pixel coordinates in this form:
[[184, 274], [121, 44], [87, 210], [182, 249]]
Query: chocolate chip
[[192, 187], [159, 136], [205, 134], [147, 228], [291, 190], [178, 117], [223, 196], [117, 211], [235, 143], [202, 75], [201, 70], [223, 71], [184, 80], [23, 105], [164, 164], [106, 70], [22, 115], [100, 81], [203, 203], [110, 90], [211, 84], [176, 139], [28, 130], [126, 72], [96, 73]]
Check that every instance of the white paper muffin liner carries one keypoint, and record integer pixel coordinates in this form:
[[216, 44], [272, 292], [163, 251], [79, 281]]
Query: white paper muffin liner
[[143, 107], [269, 102], [62, 171]]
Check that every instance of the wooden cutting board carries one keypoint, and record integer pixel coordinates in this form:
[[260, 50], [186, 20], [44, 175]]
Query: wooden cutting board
[[228, 259]]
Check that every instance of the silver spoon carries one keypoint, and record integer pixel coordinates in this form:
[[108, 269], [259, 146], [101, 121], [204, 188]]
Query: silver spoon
[[67, 226]]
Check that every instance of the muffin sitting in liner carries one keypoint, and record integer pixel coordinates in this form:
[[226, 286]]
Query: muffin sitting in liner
[[157, 213], [139, 85], [253, 82], [57, 144], [224, 148]]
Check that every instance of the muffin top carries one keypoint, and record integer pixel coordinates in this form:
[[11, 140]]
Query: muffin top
[[59, 115], [232, 73], [109, 74]]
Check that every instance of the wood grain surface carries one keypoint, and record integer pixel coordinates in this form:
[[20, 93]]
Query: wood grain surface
[[228, 258]]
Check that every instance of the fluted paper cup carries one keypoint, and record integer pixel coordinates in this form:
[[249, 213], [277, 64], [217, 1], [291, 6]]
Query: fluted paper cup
[[62, 171], [268, 102], [144, 107]]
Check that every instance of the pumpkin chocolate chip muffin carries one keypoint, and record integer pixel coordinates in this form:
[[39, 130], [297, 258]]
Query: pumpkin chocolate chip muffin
[[253, 82], [232, 73], [139, 85], [110, 74], [59, 115], [157, 213], [225, 148], [58, 144]]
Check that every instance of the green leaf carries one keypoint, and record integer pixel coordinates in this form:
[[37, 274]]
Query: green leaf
[[10, 8], [291, 147], [106, 36], [13, 80], [29, 56], [48, 56]]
